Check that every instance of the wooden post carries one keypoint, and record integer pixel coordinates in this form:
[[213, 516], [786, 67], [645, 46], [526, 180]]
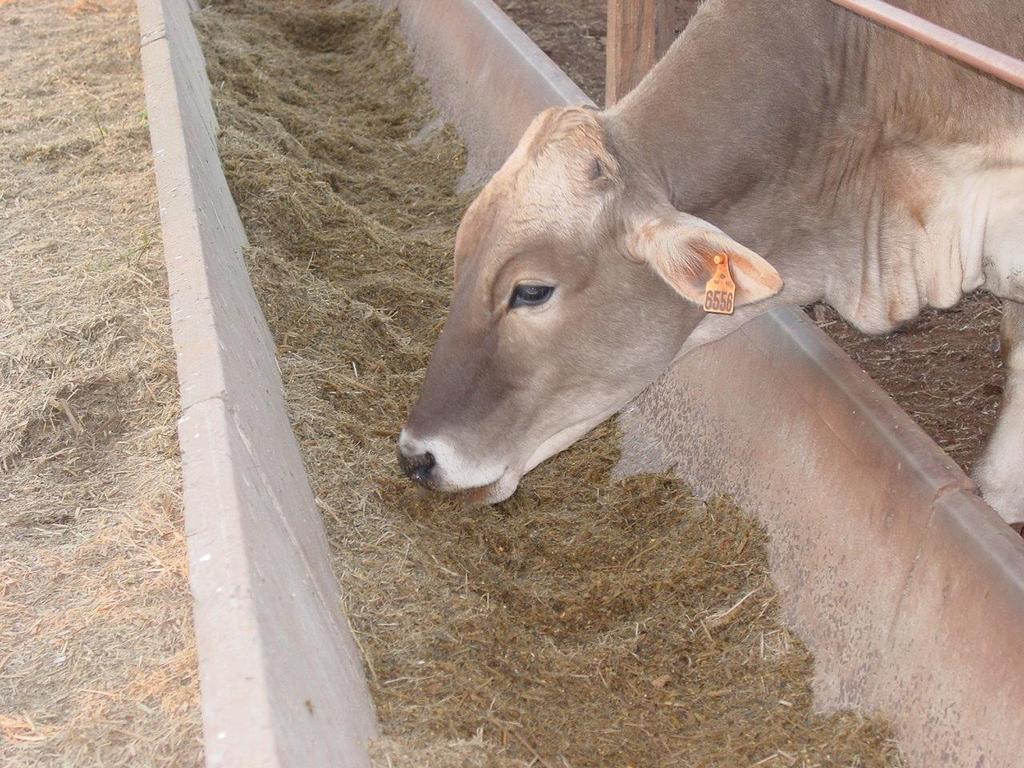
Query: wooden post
[[639, 33]]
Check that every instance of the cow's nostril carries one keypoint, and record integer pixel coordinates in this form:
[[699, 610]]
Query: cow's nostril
[[417, 467], [421, 474]]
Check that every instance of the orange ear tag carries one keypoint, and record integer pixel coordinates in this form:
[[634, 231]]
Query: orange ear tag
[[720, 292]]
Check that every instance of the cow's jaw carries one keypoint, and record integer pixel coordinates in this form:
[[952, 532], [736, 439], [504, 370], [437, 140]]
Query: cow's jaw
[[565, 437], [489, 483], [558, 442]]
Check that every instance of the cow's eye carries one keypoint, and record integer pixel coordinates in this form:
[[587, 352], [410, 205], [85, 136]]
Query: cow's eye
[[530, 295]]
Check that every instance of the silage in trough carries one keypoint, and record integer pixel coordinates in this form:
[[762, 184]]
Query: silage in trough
[[586, 622]]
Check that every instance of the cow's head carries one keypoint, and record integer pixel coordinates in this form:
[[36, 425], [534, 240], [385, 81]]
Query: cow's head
[[574, 289]]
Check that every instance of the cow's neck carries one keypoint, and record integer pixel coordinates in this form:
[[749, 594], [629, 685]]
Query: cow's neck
[[712, 125], [794, 147]]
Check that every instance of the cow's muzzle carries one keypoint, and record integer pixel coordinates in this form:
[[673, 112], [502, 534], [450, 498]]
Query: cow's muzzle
[[418, 467]]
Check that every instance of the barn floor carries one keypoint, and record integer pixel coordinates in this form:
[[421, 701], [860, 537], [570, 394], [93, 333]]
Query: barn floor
[[943, 369], [97, 664], [586, 622]]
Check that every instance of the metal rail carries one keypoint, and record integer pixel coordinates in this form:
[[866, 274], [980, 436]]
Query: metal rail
[[989, 60]]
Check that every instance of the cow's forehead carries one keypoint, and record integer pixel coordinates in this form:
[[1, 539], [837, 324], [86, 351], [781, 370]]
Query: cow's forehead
[[542, 195], [556, 147], [508, 224]]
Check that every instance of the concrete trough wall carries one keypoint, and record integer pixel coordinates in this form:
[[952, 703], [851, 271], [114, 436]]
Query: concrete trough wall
[[909, 589], [280, 675]]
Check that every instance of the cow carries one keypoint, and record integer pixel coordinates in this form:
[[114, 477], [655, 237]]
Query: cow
[[813, 154]]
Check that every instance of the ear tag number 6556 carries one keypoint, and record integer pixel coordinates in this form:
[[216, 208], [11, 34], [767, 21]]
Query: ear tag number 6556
[[720, 291]]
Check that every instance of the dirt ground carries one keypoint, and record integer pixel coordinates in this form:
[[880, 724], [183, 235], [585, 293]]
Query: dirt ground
[[943, 369], [97, 664], [585, 622]]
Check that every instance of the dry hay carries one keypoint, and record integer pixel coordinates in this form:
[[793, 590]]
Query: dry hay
[[585, 622], [97, 664]]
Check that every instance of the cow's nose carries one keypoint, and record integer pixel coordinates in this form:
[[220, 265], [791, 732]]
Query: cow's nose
[[417, 466]]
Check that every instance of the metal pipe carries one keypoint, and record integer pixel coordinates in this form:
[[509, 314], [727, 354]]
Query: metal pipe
[[941, 39]]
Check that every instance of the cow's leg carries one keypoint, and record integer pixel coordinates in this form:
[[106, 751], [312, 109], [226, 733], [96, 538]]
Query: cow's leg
[[1000, 471]]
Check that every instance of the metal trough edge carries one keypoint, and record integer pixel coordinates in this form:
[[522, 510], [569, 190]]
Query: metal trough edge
[[280, 674], [906, 586]]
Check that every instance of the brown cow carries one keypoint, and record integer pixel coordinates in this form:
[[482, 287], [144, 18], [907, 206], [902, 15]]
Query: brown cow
[[870, 172]]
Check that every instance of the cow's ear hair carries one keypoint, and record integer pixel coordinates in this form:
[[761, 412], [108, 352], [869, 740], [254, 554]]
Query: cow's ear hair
[[682, 249]]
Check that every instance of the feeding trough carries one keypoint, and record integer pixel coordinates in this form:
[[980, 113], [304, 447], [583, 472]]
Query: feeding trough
[[908, 588]]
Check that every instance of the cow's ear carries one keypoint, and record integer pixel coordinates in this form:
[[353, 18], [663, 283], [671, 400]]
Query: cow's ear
[[682, 250]]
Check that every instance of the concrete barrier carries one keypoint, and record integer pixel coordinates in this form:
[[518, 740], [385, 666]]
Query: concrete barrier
[[281, 679], [909, 589]]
